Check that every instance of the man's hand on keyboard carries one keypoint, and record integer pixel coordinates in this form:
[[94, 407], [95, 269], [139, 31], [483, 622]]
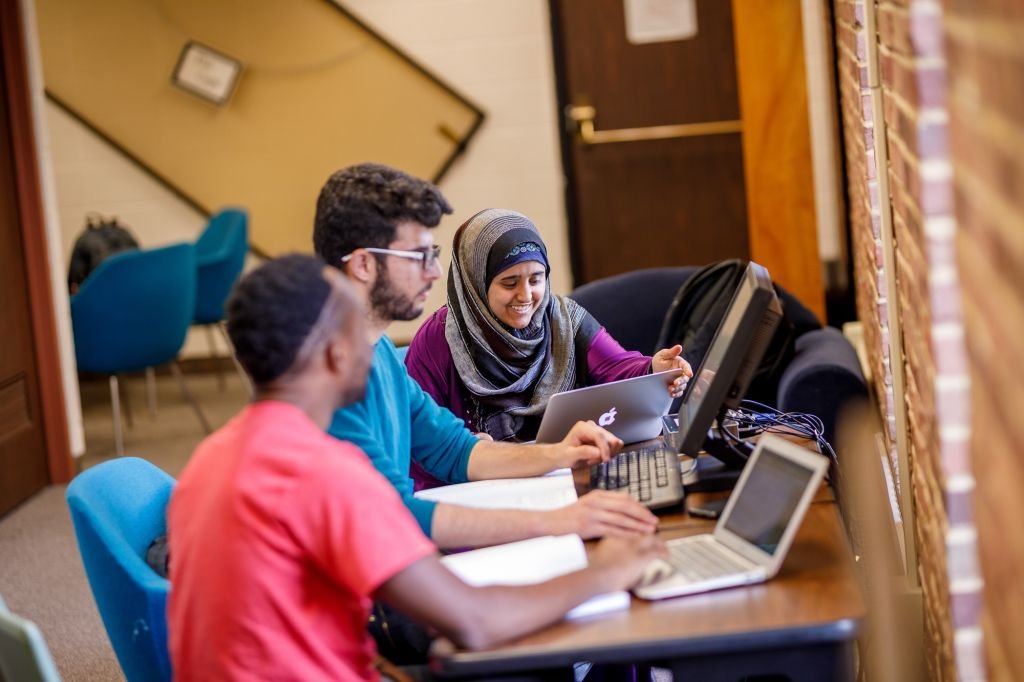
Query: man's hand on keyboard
[[602, 512], [625, 559], [587, 442]]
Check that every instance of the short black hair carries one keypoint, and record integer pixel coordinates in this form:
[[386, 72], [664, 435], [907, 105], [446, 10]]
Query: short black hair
[[272, 311], [361, 206]]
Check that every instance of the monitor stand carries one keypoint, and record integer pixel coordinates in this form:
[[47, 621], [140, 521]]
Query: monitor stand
[[719, 468]]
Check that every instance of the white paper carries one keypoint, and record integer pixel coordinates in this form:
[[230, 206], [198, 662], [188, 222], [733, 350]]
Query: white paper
[[540, 493], [656, 21], [532, 561]]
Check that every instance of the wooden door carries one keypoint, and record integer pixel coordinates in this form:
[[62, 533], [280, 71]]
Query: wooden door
[[690, 149], [678, 199], [29, 374], [22, 448]]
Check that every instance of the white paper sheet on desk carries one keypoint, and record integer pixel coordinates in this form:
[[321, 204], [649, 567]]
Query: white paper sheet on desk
[[532, 561], [540, 493]]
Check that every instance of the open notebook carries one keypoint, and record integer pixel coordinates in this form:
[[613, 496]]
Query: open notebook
[[532, 561], [540, 493]]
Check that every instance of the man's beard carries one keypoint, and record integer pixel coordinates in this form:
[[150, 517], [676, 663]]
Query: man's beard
[[390, 305]]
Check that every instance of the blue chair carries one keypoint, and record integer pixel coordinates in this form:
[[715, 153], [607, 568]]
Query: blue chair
[[24, 655], [132, 313], [117, 508], [220, 256]]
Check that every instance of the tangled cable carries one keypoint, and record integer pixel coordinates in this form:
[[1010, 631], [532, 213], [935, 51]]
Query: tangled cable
[[754, 418]]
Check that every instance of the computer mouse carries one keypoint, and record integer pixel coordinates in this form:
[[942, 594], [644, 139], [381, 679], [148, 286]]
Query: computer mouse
[[656, 571]]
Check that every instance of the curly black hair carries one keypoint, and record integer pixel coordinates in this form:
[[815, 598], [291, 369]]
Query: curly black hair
[[360, 206], [272, 311]]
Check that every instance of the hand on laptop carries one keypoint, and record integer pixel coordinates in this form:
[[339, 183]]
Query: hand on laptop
[[626, 559], [670, 358], [587, 442], [602, 512]]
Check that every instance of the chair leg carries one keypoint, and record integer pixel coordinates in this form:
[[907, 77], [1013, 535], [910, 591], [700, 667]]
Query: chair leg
[[151, 391], [188, 396], [212, 343], [115, 405], [234, 359], [126, 401]]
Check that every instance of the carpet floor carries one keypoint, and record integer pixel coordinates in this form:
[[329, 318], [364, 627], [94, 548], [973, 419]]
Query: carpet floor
[[41, 574]]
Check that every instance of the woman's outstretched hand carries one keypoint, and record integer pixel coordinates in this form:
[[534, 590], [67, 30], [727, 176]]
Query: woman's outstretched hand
[[670, 358]]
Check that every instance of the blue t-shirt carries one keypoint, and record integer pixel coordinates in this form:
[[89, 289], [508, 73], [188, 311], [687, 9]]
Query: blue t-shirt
[[397, 421]]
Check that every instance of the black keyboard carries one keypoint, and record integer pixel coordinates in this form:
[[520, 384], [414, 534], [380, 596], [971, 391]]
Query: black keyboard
[[650, 475]]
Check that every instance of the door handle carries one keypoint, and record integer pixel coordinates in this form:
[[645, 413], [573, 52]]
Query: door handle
[[582, 119]]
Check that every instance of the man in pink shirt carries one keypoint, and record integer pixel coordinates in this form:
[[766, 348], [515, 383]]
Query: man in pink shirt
[[281, 535]]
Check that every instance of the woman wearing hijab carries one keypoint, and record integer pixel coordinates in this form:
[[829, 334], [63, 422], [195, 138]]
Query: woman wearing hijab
[[505, 344]]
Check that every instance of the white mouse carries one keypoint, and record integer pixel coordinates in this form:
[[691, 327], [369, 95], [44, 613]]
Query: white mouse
[[656, 571]]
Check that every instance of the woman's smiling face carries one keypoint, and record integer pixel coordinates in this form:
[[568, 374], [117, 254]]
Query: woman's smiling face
[[515, 294]]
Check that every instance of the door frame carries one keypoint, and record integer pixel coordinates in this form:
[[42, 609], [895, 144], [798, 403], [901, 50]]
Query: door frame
[[565, 139], [16, 89]]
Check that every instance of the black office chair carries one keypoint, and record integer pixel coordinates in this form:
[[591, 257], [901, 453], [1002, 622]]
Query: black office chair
[[823, 375], [632, 306], [822, 378]]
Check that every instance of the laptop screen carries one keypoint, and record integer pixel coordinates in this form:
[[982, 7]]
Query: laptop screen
[[766, 503]]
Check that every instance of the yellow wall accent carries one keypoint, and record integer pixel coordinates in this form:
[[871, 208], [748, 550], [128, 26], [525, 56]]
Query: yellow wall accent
[[317, 92]]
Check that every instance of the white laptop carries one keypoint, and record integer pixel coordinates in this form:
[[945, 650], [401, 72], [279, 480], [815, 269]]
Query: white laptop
[[630, 408], [756, 528]]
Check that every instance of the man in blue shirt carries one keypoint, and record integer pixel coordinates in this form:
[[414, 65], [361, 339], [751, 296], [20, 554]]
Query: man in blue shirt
[[374, 223]]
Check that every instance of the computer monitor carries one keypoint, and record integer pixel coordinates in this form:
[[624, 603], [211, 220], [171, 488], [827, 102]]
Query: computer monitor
[[730, 363]]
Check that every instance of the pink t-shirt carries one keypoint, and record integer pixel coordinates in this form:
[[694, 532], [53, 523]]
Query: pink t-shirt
[[279, 535]]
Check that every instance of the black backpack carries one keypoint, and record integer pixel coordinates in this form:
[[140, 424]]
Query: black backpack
[[698, 308], [101, 238]]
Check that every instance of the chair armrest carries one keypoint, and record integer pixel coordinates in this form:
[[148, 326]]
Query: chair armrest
[[822, 377]]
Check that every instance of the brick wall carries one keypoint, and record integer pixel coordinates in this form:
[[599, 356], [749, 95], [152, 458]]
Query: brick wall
[[903, 40], [863, 196], [985, 53], [913, 79]]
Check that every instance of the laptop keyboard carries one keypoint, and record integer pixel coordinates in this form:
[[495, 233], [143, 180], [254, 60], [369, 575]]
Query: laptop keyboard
[[700, 560], [650, 475]]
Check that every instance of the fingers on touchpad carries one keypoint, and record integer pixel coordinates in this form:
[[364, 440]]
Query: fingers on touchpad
[[656, 571]]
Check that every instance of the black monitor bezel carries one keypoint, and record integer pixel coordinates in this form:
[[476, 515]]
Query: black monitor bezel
[[721, 393]]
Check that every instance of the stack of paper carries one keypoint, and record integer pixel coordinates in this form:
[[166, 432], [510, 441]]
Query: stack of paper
[[532, 561], [539, 493]]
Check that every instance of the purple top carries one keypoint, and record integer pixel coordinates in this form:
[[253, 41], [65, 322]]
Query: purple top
[[429, 361]]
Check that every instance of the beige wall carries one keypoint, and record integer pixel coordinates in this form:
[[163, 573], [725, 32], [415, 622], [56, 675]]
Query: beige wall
[[316, 91], [495, 52], [498, 54], [93, 176]]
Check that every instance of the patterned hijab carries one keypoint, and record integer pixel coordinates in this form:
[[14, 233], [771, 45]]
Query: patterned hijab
[[509, 373]]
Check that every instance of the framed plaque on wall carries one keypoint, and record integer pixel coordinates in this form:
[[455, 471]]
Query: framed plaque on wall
[[206, 73]]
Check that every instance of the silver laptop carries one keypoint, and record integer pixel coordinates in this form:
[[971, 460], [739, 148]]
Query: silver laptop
[[756, 528], [630, 408]]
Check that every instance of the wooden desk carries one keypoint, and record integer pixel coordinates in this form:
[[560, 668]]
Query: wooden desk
[[802, 623]]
